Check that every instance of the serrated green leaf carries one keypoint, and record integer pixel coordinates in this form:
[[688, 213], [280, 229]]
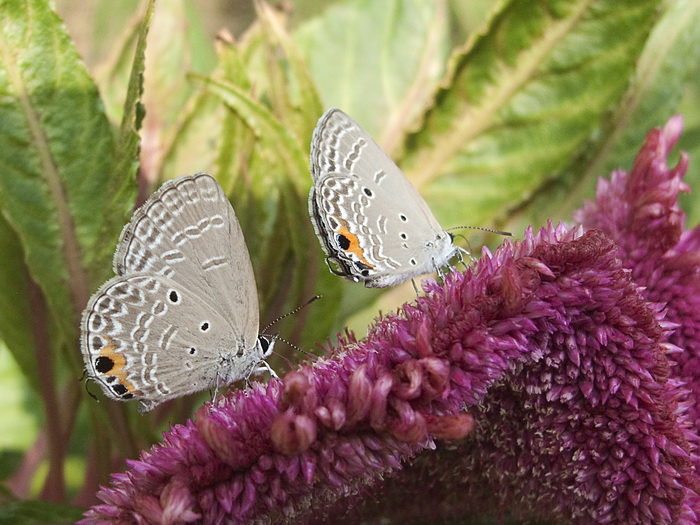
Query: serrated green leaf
[[263, 124], [298, 101], [208, 137], [652, 97], [378, 61], [56, 152], [112, 74], [521, 101], [121, 187]]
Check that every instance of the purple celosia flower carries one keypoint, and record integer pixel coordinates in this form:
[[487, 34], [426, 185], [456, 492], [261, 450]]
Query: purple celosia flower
[[537, 383]]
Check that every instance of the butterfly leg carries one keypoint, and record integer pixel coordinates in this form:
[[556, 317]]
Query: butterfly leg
[[460, 255], [264, 367]]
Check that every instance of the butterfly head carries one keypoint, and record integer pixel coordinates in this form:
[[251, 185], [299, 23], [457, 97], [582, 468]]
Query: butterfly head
[[265, 345]]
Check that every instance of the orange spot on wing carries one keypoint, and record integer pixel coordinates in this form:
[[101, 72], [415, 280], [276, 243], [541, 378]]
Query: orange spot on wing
[[118, 369], [354, 244]]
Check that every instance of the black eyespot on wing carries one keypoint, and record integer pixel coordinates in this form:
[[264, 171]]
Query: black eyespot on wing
[[368, 192], [365, 273], [413, 262], [343, 241], [119, 389], [103, 364], [204, 327], [173, 296], [403, 235], [127, 396], [403, 217], [193, 351]]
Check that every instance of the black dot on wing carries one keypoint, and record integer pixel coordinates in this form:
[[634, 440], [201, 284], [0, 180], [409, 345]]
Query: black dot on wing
[[193, 351], [343, 241], [204, 327], [403, 217], [103, 364], [403, 235], [368, 192], [119, 389], [365, 273], [413, 262], [173, 296], [127, 396]]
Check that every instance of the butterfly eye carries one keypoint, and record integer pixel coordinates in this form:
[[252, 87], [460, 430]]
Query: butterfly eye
[[265, 345]]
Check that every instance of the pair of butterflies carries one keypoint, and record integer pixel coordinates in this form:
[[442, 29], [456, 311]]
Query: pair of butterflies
[[181, 315]]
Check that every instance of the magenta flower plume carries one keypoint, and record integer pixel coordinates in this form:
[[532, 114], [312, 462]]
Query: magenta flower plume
[[538, 383]]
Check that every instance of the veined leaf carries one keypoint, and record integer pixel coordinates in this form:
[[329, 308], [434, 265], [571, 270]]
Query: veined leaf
[[15, 329], [56, 153], [297, 99], [378, 61], [263, 124], [521, 100], [122, 183], [653, 96]]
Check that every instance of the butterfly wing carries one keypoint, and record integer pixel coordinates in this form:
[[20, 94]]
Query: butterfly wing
[[187, 231], [182, 313], [369, 218]]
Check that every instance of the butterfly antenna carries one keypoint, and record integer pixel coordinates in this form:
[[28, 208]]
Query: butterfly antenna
[[296, 347], [298, 308], [499, 232]]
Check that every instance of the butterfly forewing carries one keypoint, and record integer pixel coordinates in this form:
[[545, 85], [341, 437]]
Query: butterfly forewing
[[187, 230]]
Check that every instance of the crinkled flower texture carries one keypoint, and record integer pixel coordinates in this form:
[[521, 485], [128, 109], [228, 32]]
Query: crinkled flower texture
[[552, 380]]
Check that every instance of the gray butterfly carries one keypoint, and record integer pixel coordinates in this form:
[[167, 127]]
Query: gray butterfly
[[182, 313], [372, 223]]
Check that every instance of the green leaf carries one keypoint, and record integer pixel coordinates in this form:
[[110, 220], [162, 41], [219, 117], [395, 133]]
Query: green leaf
[[122, 182], [266, 127], [521, 100], [378, 61], [56, 154], [39, 513], [654, 94], [15, 313], [207, 136]]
